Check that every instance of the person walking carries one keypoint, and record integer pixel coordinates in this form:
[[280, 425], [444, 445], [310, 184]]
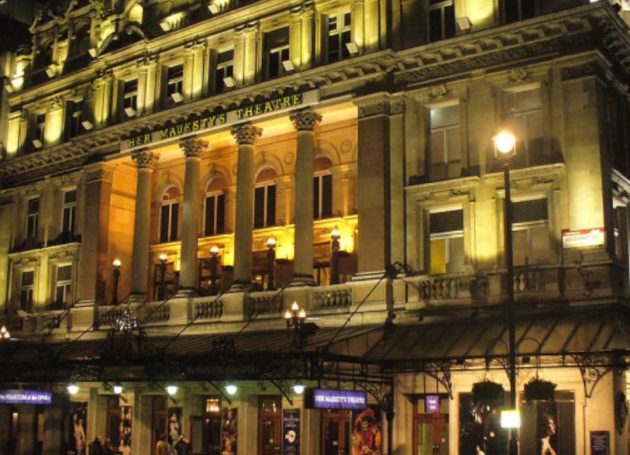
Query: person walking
[[161, 447]]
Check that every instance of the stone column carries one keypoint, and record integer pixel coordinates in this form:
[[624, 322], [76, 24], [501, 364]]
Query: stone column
[[192, 149], [145, 161], [245, 136], [304, 122]]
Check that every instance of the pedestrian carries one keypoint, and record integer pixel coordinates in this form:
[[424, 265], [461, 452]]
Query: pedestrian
[[161, 447], [108, 448], [182, 447], [96, 448]]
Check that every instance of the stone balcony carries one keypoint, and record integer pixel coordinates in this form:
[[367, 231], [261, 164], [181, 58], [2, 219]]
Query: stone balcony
[[534, 286]]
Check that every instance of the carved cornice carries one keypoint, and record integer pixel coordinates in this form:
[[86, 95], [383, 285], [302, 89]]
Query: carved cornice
[[380, 104], [305, 119], [193, 147], [144, 158], [246, 134]]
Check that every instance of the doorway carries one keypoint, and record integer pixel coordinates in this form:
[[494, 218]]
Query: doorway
[[430, 429], [160, 417], [269, 425], [336, 432], [212, 427]]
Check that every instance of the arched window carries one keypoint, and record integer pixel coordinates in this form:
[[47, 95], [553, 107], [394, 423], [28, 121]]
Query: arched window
[[322, 189], [169, 214], [265, 199], [214, 221]]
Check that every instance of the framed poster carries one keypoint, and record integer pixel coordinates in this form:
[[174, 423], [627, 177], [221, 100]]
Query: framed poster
[[291, 432], [78, 426], [174, 427], [600, 443], [229, 431], [367, 435]]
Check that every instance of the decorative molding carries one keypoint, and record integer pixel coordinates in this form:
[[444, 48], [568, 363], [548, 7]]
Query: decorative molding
[[305, 119], [193, 147], [144, 158], [518, 76], [246, 134], [439, 91], [380, 104]]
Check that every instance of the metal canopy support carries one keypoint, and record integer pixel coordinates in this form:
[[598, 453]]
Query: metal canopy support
[[441, 372], [590, 371], [221, 392]]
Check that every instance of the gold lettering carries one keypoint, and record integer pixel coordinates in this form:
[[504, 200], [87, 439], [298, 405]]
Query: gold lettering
[[164, 133], [132, 142], [195, 125], [249, 111], [187, 127], [222, 117], [259, 109], [286, 101], [147, 138], [297, 99], [172, 132]]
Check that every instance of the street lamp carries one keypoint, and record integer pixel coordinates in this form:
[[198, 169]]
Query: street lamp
[[5, 335], [214, 265], [116, 273], [72, 388], [295, 318], [335, 235], [162, 267], [505, 148], [271, 257]]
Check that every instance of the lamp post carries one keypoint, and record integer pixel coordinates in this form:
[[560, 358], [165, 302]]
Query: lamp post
[[295, 318], [116, 274], [505, 148], [271, 257], [214, 264], [162, 266], [334, 244]]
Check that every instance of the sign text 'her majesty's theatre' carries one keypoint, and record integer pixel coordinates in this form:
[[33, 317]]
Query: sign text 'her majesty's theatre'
[[208, 122], [336, 399]]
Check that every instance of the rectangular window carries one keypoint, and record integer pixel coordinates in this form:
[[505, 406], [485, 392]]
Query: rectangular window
[[524, 110], [265, 206], [130, 97], [518, 10], [74, 118], [27, 281], [445, 142], [277, 51], [32, 218], [215, 214], [224, 71], [175, 81], [63, 286], [339, 34], [39, 134], [440, 20], [169, 218], [446, 241], [322, 196], [530, 232], [68, 212]]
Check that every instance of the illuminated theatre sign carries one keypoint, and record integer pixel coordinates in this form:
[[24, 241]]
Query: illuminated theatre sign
[[25, 397], [215, 120]]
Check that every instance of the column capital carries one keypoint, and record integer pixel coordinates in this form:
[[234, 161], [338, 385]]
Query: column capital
[[193, 147], [144, 158], [246, 134], [305, 119]]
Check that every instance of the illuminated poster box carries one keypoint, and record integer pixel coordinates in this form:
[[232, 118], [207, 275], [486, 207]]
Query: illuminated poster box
[[583, 238], [25, 397], [336, 399]]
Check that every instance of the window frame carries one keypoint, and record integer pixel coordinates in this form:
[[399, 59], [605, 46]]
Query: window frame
[[446, 235], [265, 186], [74, 118], [72, 207], [441, 6], [318, 198], [339, 17], [516, 117], [65, 285], [218, 196], [129, 98], [223, 70], [174, 82], [280, 50], [39, 127], [173, 224], [35, 216], [445, 129], [29, 289], [527, 226]]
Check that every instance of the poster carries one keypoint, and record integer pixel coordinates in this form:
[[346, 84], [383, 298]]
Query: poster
[[174, 429], [291, 432], [124, 430], [547, 433], [78, 441], [229, 431], [600, 443], [367, 436]]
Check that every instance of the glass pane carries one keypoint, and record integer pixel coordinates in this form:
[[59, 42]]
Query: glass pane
[[174, 221], [345, 39], [449, 21], [27, 278], [316, 197], [225, 57], [453, 145], [271, 205], [519, 247], [526, 211], [435, 25], [445, 116], [164, 223], [210, 215], [437, 254], [455, 251], [437, 146], [259, 207], [347, 19], [69, 196], [333, 48], [64, 273], [33, 206], [327, 196], [220, 214], [540, 245], [451, 221]]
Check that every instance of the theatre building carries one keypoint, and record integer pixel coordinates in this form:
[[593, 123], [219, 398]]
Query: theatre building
[[275, 227]]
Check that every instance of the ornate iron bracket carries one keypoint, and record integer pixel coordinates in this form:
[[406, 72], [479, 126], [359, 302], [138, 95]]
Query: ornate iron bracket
[[441, 372], [382, 392], [589, 370], [283, 388]]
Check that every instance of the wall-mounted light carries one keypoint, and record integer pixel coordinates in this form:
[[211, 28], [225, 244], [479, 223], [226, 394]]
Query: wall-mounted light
[[231, 389], [171, 389], [93, 52], [352, 48], [288, 66], [51, 70], [87, 125], [118, 389], [172, 21], [299, 388], [130, 112], [214, 8], [229, 82], [464, 23], [37, 143], [72, 388]]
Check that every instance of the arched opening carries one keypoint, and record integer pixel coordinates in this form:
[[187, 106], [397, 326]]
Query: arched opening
[[322, 188], [169, 214], [214, 207], [265, 199]]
